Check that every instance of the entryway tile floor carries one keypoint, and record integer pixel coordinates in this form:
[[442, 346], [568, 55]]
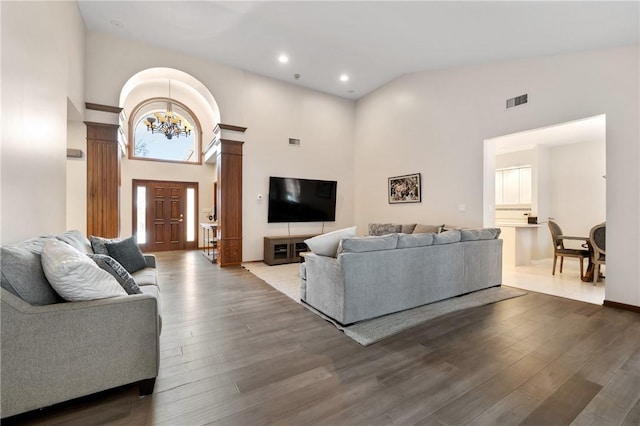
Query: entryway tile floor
[[537, 277]]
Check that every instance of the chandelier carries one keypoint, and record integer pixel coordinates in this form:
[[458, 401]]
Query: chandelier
[[169, 123]]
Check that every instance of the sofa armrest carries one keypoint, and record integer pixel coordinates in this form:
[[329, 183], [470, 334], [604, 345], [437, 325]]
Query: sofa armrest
[[58, 352], [151, 260], [325, 285]]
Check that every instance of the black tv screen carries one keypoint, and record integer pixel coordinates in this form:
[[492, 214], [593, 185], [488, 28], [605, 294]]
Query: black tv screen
[[301, 200]]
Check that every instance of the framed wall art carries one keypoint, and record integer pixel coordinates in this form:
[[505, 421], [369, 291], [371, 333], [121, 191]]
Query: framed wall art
[[405, 189]]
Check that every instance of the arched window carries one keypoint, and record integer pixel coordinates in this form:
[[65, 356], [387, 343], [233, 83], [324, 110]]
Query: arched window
[[163, 129]]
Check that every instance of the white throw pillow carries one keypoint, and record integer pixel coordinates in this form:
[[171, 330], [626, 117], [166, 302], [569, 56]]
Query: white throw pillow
[[74, 276], [327, 244]]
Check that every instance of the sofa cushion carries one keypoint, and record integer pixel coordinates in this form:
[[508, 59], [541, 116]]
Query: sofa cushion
[[479, 234], [327, 244], [370, 243], [128, 254], [426, 229], [414, 240], [384, 228], [98, 244], [446, 237], [77, 240], [112, 266], [146, 276], [408, 228], [22, 274], [74, 276]]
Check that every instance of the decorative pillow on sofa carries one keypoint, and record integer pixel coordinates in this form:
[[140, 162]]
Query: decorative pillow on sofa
[[112, 266], [377, 229], [98, 244], [408, 228], [370, 243], [22, 274], [128, 254], [74, 276], [479, 234], [415, 240], [327, 244], [77, 240], [446, 237], [426, 229]]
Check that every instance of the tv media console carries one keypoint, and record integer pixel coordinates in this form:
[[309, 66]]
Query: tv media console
[[284, 249]]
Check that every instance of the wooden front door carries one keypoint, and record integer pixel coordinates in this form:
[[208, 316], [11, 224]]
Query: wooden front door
[[164, 215]]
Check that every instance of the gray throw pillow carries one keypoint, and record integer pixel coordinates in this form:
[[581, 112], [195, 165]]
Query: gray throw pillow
[[128, 254], [408, 228], [365, 244], [98, 244], [22, 274], [112, 266], [446, 237]]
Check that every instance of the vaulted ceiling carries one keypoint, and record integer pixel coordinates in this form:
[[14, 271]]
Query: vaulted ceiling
[[372, 42]]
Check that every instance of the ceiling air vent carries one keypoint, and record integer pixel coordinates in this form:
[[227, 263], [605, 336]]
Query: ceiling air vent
[[294, 142], [518, 100]]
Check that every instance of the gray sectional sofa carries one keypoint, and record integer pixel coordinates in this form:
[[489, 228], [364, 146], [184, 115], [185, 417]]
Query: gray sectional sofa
[[53, 351], [378, 275]]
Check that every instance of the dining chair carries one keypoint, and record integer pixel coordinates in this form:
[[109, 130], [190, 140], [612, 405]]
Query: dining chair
[[597, 238], [559, 250]]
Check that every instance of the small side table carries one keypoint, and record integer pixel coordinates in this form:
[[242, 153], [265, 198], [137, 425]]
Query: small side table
[[210, 249]]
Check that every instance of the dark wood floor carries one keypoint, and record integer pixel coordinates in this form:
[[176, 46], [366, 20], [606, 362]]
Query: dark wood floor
[[237, 352]]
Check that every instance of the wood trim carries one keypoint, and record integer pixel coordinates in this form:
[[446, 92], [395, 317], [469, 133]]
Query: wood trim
[[104, 108], [623, 306], [230, 127]]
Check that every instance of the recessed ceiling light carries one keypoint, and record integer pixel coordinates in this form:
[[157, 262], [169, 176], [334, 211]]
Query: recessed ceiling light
[[283, 59], [344, 77]]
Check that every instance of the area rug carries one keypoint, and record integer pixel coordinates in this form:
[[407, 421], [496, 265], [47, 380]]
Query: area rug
[[285, 278]]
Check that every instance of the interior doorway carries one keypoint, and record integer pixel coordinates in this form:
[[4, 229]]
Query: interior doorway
[[165, 215], [567, 182]]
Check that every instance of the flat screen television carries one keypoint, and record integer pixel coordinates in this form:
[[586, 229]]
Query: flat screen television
[[301, 200]]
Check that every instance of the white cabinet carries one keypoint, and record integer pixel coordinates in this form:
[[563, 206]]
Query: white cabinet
[[513, 185]]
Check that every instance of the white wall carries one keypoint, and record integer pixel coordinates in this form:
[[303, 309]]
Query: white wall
[[271, 110], [43, 55], [435, 123], [578, 190]]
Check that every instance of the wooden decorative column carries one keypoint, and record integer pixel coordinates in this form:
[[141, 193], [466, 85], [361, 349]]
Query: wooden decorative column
[[103, 180], [229, 199], [230, 203]]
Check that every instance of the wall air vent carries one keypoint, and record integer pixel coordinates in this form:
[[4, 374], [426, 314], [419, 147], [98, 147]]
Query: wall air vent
[[518, 100], [294, 142]]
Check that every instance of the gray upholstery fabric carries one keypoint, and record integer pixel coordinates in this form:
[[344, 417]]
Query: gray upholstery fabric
[[359, 286], [77, 240], [479, 234], [303, 281], [146, 276], [426, 229], [98, 244], [408, 228], [112, 266], [22, 274], [128, 254], [414, 240], [55, 353], [371, 243], [377, 229], [446, 237]]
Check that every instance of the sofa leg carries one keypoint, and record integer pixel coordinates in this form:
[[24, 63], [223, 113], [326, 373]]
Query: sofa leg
[[146, 386]]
